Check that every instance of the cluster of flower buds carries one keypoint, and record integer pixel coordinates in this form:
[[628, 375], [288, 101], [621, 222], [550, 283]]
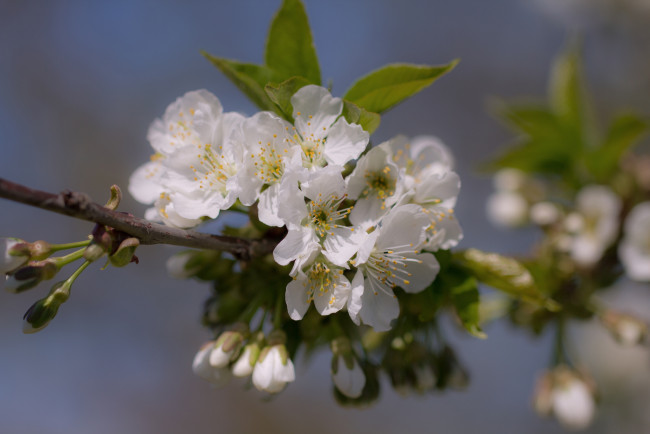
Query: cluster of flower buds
[[356, 224], [237, 353], [25, 265]]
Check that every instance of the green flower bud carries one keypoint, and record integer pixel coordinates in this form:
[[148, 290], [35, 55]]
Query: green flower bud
[[29, 276], [39, 315], [93, 252]]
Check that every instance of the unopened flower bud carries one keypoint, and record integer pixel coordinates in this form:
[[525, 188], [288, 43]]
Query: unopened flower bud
[[244, 365], [347, 375], [274, 368], [12, 256], [202, 368], [94, 251], [39, 315], [227, 346], [370, 391], [30, 275], [125, 253], [568, 395], [626, 329]]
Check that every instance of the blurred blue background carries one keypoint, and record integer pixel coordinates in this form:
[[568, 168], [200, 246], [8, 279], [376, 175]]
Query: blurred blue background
[[81, 81]]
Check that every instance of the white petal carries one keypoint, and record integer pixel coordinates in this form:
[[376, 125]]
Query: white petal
[[345, 142], [297, 243], [243, 367], [350, 382], [317, 108], [334, 299], [268, 206], [354, 300], [297, 298], [573, 405], [342, 244], [145, 184], [324, 183], [431, 153], [422, 273], [367, 212], [443, 187], [379, 307], [404, 225], [447, 234]]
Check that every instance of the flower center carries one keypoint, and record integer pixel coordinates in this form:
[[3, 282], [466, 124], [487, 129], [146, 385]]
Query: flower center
[[214, 168], [268, 162], [388, 267], [379, 184], [324, 213], [321, 280]]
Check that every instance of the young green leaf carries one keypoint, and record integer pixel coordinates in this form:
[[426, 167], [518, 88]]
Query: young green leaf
[[567, 97], [354, 114], [503, 273], [532, 120], [281, 94], [248, 77], [624, 132], [290, 49], [392, 84]]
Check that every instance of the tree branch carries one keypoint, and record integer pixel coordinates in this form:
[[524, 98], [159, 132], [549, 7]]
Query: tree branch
[[79, 205]]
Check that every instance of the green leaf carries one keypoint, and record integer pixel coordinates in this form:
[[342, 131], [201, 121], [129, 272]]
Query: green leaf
[[248, 77], [565, 87], [281, 94], [624, 132], [465, 298], [290, 49], [390, 85], [503, 273], [532, 120], [354, 114]]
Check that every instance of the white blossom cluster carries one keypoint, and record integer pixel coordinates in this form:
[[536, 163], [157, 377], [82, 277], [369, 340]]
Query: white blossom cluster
[[584, 230], [371, 213]]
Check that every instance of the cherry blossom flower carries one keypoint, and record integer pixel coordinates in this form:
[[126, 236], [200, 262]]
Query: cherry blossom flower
[[315, 218], [324, 136], [431, 183], [269, 154], [598, 209], [193, 173], [376, 184], [391, 257]]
